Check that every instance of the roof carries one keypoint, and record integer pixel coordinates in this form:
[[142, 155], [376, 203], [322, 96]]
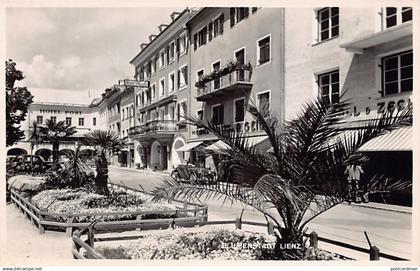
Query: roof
[[161, 33], [49, 95]]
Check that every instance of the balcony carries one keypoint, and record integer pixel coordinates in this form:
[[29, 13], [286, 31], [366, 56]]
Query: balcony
[[237, 79], [156, 129], [148, 105]]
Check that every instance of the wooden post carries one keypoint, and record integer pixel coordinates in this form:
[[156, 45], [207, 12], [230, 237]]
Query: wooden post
[[69, 228], [270, 228], [75, 245], [185, 205], [313, 239], [91, 236], [238, 223], [138, 218], [41, 229], [374, 253]]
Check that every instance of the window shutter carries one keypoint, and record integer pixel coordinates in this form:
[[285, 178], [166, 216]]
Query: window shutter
[[195, 41], [221, 22], [246, 12], [179, 78], [232, 17], [210, 31], [177, 45], [168, 48]]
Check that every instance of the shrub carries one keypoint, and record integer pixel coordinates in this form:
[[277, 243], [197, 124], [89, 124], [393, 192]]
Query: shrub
[[26, 185]]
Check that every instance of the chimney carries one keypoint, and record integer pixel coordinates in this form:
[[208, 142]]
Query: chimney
[[162, 27], [143, 45], [174, 15], [152, 37]]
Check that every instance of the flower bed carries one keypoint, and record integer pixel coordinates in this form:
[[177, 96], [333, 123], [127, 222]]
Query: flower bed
[[213, 244], [76, 201]]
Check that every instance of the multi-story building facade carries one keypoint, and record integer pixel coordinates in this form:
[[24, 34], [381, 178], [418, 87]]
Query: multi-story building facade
[[82, 116], [362, 55], [164, 63], [127, 122], [237, 57]]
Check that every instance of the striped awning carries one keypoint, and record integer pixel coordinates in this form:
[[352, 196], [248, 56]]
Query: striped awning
[[189, 146], [220, 145], [396, 140]]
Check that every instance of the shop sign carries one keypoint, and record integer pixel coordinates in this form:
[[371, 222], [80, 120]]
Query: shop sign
[[135, 83]]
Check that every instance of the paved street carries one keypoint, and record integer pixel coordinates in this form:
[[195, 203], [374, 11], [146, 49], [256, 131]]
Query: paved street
[[388, 230]]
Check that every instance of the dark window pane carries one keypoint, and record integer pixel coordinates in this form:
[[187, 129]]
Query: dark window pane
[[391, 88], [335, 87], [407, 85], [325, 24], [407, 14], [335, 98], [324, 35], [325, 90], [334, 11], [326, 98], [334, 77], [334, 21], [407, 72], [325, 79], [407, 59], [390, 11], [391, 63], [391, 76], [239, 110], [391, 21], [324, 14], [334, 31]]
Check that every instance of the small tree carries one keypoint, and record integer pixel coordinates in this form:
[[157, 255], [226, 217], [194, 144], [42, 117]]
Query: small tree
[[34, 138], [302, 177], [18, 100], [75, 171], [55, 132], [105, 143]]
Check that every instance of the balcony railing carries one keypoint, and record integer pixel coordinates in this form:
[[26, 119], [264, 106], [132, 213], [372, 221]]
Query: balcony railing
[[153, 126], [236, 79]]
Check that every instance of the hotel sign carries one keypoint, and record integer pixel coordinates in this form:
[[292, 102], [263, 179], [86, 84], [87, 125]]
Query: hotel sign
[[67, 112], [135, 83]]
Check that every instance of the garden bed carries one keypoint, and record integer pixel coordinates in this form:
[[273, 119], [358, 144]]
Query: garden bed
[[124, 209], [205, 243]]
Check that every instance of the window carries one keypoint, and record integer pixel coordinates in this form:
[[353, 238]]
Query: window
[[123, 113], [397, 73], [202, 36], [217, 26], [162, 87], [54, 119], [81, 121], [395, 16], [39, 119], [328, 23], [141, 74], [240, 58], [216, 82], [182, 77], [254, 9], [264, 50], [181, 45], [68, 121], [149, 68], [153, 65], [239, 110], [217, 114], [237, 15], [200, 73], [153, 90], [263, 102], [94, 121], [181, 110], [144, 73], [172, 52], [171, 82], [162, 59], [329, 86]]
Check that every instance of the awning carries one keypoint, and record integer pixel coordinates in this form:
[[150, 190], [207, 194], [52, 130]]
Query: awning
[[396, 140], [220, 145], [371, 40], [189, 146]]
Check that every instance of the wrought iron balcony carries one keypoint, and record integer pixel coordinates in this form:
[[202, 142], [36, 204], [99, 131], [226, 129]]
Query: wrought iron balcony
[[238, 79], [155, 126]]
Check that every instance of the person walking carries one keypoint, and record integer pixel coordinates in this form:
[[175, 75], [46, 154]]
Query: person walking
[[354, 172]]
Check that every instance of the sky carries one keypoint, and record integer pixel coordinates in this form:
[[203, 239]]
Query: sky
[[80, 49]]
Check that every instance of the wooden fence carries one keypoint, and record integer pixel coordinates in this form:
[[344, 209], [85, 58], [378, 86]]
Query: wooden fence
[[190, 214], [373, 252]]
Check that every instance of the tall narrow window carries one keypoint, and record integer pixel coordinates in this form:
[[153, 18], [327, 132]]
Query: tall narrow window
[[54, 119], [94, 121], [239, 110], [81, 122], [182, 77], [161, 87], [328, 23], [202, 36], [263, 102], [171, 82], [39, 119], [329, 86], [398, 73], [217, 115], [264, 50], [216, 81], [68, 121]]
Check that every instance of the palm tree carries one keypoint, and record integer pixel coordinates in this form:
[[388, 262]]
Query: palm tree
[[55, 132], [34, 138], [105, 143], [301, 178], [74, 170]]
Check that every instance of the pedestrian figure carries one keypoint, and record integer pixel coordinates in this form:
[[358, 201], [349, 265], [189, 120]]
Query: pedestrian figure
[[353, 177]]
